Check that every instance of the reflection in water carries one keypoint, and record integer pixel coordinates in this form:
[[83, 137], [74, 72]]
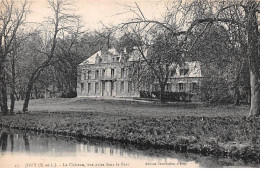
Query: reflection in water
[[58, 149], [96, 149], [26, 143], [12, 142], [111, 151], [3, 141]]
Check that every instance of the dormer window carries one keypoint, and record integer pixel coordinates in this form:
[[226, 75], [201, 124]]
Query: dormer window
[[97, 59], [172, 72], [105, 58], [184, 71]]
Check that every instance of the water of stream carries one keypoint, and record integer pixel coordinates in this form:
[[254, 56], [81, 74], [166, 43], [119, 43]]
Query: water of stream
[[33, 150]]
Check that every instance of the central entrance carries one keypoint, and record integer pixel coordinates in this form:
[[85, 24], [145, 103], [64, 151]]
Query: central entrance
[[108, 88]]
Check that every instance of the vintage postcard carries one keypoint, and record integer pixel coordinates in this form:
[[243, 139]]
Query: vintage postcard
[[129, 84]]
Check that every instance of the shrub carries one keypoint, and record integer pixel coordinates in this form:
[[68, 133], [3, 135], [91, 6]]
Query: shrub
[[70, 94], [172, 96], [216, 91]]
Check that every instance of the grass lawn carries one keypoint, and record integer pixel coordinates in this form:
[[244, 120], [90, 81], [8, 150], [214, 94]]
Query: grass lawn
[[132, 108]]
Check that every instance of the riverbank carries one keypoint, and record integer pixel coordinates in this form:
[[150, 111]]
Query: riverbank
[[221, 136], [190, 131]]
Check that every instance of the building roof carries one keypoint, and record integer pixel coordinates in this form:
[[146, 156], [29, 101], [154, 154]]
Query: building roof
[[134, 56], [194, 66], [91, 59]]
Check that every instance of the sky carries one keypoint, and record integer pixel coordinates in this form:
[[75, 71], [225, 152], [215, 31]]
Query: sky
[[93, 12]]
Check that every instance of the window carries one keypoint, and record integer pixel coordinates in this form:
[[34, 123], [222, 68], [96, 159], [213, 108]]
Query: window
[[82, 87], [97, 74], [193, 87], [105, 58], [168, 87], [89, 87], [129, 71], [182, 87], [129, 87], [122, 72], [112, 73], [122, 86], [184, 71], [89, 74], [103, 73], [176, 87], [85, 75], [96, 87], [112, 86]]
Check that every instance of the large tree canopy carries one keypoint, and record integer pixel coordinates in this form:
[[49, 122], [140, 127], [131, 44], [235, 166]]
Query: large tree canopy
[[194, 18]]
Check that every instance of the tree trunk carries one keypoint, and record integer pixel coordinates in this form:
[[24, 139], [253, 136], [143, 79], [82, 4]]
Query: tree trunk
[[35, 75], [17, 97], [255, 94], [249, 97], [253, 56], [237, 96], [28, 95], [162, 90], [4, 106], [36, 92], [3, 91], [12, 95]]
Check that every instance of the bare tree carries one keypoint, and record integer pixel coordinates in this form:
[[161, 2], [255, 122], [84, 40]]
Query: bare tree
[[68, 56], [12, 16], [61, 20], [14, 66], [14, 57]]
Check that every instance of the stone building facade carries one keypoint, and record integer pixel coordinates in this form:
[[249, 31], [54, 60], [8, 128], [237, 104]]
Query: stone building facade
[[105, 74]]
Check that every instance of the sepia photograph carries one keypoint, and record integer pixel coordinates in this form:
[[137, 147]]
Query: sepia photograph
[[129, 84]]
